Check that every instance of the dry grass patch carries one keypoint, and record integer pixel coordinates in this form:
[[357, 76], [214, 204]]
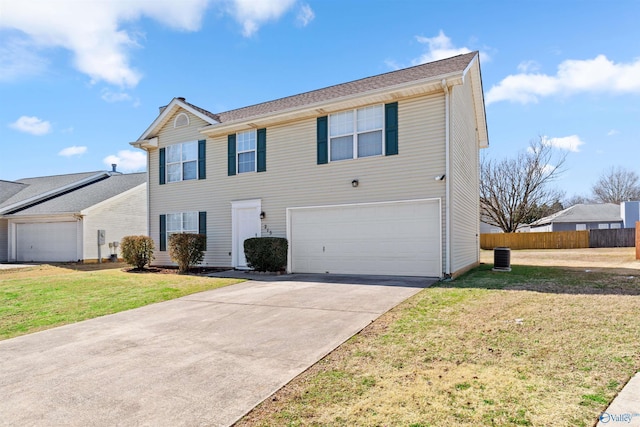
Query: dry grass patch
[[537, 346]]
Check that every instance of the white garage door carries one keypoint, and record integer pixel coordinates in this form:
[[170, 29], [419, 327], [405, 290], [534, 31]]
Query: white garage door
[[399, 238], [47, 242]]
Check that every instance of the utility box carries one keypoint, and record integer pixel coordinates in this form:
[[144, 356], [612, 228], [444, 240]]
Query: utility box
[[101, 237]]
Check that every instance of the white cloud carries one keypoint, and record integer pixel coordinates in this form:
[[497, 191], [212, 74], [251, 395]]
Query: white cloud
[[72, 151], [32, 125], [100, 36], [92, 30], [440, 47], [305, 15], [573, 76], [110, 96], [613, 132], [567, 143], [19, 60], [127, 161], [251, 13], [528, 66]]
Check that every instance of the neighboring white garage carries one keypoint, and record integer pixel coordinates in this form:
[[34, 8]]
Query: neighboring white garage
[[394, 238], [47, 241]]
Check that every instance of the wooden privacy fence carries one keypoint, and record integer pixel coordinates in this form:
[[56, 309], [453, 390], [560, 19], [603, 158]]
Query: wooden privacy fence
[[621, 237], [548, 240], [616, 238]]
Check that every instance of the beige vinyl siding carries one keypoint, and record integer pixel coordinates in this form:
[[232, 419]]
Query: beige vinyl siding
[[464, 183], [122, 215], [4, 240], [293, 179]]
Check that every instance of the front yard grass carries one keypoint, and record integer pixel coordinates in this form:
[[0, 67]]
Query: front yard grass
[[42, 297], [538, 346]]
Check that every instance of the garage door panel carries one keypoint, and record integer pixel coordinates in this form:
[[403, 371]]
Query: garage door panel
[[46, 242], [385, 238]]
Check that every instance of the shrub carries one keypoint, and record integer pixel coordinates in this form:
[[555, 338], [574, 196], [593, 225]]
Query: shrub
[[187, 250], [266, 253], [137, 250]]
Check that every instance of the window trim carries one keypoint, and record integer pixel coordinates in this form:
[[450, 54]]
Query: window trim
[[355, 133], [182, 230], [196, 161], [254, 150]]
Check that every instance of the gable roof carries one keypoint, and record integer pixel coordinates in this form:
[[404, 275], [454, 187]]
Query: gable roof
[[67, 193], [407, 81], [602, 212]]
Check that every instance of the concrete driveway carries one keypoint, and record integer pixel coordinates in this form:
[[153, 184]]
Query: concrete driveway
[[205, 359]]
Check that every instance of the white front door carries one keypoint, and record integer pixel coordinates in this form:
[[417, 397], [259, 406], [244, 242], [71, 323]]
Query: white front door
[[245, 224]]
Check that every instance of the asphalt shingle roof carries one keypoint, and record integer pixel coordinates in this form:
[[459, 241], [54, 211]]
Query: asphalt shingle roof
[[32, 187], [419, 72], [602, 212], [74, 201]]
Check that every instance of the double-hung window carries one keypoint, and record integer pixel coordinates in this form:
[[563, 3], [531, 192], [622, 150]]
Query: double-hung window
[[246, 151], [182, 161], [356, 133], [184, 222]]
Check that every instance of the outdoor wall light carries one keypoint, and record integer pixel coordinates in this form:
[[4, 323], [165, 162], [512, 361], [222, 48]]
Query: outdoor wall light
[[355, 183], [262, 215], [440, 177]]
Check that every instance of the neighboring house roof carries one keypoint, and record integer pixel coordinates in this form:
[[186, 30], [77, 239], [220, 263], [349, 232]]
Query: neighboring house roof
[[67, 193], [603, 212], [8, 189], [432, 73]]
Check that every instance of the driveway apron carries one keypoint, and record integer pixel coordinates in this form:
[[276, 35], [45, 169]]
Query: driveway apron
[[205, 359]]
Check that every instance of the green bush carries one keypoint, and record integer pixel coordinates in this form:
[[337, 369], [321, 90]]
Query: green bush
[[187, 250], [266, 253], [137, 251]]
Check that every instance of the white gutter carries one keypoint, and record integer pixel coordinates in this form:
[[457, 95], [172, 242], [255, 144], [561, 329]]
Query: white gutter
[[447, 205]]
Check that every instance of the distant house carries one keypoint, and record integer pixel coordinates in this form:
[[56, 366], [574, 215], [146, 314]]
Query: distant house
[[581, 217], [57, 218], [378, 175]]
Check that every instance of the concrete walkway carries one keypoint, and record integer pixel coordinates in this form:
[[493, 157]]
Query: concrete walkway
[[625, 408], [204, 359]]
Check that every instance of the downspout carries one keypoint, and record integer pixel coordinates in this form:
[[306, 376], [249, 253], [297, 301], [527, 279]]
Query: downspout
[[447, 205]]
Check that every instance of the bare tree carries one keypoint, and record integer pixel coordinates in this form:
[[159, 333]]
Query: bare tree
[[617, 185], [512, 191], [576, 199]]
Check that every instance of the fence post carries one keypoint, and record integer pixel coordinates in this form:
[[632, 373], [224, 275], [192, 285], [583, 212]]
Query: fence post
[[638, 240]]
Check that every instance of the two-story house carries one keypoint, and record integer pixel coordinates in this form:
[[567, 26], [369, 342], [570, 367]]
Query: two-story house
[[376, 176]]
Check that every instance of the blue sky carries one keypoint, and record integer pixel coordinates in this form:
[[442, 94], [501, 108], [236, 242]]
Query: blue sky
[[79, 80]]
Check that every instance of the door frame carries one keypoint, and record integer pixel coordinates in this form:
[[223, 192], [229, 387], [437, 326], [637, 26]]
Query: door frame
[[236, 206]]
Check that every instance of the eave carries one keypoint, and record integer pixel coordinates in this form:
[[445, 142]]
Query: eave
[[382, 95]]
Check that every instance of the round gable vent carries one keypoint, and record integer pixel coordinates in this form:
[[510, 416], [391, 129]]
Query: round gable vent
[[181, 120]]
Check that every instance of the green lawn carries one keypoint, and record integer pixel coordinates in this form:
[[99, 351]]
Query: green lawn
[[43, 297], [538, 346]]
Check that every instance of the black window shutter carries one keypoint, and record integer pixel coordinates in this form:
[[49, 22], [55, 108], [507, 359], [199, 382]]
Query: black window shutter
[[163, 233], [202, 222], [262, 150], [231, 154], [163, 176], [391, 128], [202, 166], [323, 140]]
